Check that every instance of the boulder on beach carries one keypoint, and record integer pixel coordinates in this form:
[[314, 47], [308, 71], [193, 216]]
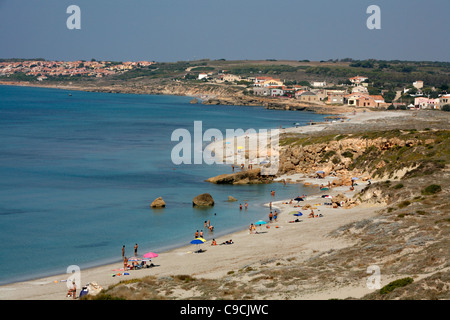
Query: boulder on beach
[[231, 198], [158, 203], [204, 199], [339, 200]]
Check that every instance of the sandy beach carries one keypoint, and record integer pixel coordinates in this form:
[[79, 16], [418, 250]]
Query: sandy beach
[[281, 239]]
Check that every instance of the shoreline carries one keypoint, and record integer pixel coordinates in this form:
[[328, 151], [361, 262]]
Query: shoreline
[[181, 260], [205, 97]]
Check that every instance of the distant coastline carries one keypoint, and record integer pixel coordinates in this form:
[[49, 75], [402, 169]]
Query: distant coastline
[[219, 96]]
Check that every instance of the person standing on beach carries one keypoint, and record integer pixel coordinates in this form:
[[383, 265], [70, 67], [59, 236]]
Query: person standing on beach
[[135, 250], [123, 251], [270, 216], [125, 264], [275, 216], [246, 206], [201, 233], [250, 228], [196, 234]]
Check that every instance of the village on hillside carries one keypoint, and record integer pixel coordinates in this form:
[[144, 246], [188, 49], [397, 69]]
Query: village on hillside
[[43, 70], [354, 93]]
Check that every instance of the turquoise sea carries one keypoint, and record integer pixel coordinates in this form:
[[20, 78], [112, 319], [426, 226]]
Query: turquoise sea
[[78, 171]]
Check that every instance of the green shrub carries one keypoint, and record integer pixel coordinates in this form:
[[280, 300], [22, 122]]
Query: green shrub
[[432, 189], [336, 160], [404, 204], [396, 284], [327, 156], [348, 154], [398, 186]]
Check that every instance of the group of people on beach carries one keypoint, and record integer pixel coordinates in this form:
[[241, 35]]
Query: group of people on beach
[[135, 250], [214, 242], [242, 166]]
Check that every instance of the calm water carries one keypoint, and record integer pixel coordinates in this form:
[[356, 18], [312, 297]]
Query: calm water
[[78, 174]]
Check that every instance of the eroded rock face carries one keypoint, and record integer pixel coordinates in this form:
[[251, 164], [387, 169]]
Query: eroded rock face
[[335, 156], [204, 199], [158, 203], [244, 177]]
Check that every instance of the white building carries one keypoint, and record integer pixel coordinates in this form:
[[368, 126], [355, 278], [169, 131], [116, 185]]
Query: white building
[[276, 92], [418, 84], [357, 79], [319, 84]]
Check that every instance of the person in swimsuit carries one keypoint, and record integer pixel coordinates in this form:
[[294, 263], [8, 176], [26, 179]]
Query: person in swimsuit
[[125, 263]]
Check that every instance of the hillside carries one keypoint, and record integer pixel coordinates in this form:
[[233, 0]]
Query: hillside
[[181, 78]]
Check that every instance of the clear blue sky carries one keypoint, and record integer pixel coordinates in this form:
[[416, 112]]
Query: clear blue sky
[[172, 30]]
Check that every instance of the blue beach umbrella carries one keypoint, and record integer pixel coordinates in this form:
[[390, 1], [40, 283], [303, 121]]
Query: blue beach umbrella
[[198, 241], [260, 223]]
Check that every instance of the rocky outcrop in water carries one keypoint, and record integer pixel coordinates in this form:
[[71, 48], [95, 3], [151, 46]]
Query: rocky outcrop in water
[[204, 199], [252, 176], [158, 203]]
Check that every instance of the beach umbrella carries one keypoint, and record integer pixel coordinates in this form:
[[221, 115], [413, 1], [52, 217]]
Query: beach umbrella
[[299, 199], [260, 223], [198, 241], [150, 255], [133, 259], [298, 214]]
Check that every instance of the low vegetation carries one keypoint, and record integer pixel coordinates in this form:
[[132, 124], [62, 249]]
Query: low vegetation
[[396, 284]]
